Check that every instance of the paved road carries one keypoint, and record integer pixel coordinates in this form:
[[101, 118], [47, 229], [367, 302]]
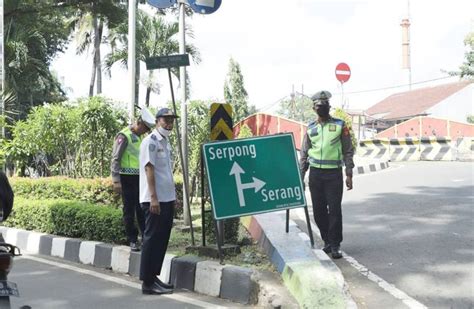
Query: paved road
[[51, 283], [413, 226]]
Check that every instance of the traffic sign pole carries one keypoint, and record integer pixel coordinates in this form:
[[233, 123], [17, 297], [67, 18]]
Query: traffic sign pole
[[184, 113], [131, 57], [343, 73], [180, 148]]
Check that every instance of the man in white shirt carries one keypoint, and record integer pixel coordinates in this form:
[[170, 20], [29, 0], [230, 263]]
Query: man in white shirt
[[158, 199]]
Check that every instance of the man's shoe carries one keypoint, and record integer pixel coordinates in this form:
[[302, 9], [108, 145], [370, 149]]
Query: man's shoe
[[163, 284], [134, 246], [156, 289], [336, 252], [327, 248]]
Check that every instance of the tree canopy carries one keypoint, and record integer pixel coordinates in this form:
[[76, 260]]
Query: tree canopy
[[235, 93]]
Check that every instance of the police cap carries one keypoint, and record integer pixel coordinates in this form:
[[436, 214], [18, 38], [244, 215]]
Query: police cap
[[321, 97]]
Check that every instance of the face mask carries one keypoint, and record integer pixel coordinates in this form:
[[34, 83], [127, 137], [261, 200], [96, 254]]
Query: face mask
[[164, 132], [323, 111]]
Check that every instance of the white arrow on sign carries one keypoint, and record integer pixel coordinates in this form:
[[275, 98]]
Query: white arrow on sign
[[257, 184]]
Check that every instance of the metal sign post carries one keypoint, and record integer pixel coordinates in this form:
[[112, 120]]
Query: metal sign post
[[169, 62]]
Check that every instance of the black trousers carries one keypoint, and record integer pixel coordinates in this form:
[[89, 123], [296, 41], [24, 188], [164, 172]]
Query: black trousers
[[155, 241], [326, 187], [131, 206]]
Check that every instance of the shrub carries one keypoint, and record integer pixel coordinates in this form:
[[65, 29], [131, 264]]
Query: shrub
[[68, 218], [231, 229], [178, 180], [95, 191]]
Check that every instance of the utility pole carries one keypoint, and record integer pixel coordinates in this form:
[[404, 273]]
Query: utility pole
[[292, 104], [184, 112], [302, 103], [132, 13]]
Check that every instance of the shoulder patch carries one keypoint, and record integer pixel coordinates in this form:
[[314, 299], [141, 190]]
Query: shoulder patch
[[120, 139], [151, 147], [345, 131], [338, 121], [153, 137]]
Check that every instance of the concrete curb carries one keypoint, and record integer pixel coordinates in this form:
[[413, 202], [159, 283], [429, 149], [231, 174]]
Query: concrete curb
[[187, 272], [323, 283], [370, 168]]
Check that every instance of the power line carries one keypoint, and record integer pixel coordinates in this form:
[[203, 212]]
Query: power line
[[356, 92], [399, 86]]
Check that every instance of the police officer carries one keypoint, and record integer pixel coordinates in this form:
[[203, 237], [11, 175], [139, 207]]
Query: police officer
[[326, 146], [125, 168], [158, 199]]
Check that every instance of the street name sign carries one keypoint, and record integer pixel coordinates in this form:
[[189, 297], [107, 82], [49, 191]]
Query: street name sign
[[253, 175], [171, 61], [162, 4]]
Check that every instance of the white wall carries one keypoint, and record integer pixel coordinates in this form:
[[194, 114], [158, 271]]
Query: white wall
[[455, 107]]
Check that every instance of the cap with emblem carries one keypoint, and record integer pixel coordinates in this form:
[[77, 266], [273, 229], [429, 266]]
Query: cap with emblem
[[147, 117], [321, 97], [165, 112]]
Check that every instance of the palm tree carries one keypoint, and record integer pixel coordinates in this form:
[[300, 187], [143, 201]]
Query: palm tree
[[154, 37], [89, 32]]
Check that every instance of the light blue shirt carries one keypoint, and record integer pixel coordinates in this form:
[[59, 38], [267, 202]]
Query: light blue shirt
[[156, 150]]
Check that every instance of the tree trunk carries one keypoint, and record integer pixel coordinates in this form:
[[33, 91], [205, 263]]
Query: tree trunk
[[98, 58], [94, 62]]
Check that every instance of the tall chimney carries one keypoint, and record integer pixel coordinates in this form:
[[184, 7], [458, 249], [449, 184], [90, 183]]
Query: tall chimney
[[406, 55]]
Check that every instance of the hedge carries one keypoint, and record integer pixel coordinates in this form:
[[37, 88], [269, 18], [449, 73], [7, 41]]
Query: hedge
[[95, 191], [231, 229], [68, 218]]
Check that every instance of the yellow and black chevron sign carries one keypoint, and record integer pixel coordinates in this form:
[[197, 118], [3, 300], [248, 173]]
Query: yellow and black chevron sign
[[221, 122]]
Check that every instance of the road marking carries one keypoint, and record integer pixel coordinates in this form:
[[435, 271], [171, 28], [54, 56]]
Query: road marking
[[113, 279], [390, 288], [458, 180]]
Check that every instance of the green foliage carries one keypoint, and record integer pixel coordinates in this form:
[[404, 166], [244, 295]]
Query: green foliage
[[341, 114], [33, 36], [154, 37], [245, 132], [72, 139], [235, 93], [97, 128], [466, 70], [300, 108], [231, 229], [470, 118], [69, 219], [94, 191]]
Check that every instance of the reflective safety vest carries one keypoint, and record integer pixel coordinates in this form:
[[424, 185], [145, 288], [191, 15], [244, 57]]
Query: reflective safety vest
[[326, 146], [129, 164]]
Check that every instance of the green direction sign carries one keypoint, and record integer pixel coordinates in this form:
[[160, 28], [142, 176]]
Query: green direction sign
[[253, 175], [171, 61]]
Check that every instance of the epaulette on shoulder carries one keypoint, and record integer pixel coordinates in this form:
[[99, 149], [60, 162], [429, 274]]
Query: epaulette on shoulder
[[338, 121]]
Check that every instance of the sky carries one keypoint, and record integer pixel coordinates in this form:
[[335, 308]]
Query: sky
[[282, 44]]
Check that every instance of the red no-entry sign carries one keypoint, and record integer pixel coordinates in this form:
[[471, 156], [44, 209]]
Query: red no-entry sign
[[343, 72]]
